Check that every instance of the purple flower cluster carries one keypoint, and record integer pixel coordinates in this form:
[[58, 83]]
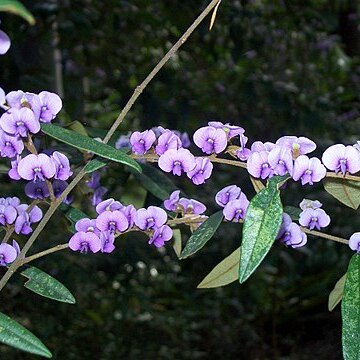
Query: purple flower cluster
[[12, 212], [312, 216], [234, 202], [98, 190], [114, 219]]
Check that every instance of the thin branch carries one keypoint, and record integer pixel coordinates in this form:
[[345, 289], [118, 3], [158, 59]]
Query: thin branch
[[339, 176], [324, 235], [44, 253]]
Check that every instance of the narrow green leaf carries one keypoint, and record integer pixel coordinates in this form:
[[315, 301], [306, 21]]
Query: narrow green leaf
[[224, 273], [72, 214], [88, 144], [261, 226], [15, 335], [350, 311], [155, 181], [45, 285], [17, 8], [336, 293], [93, 165], [202, 235], [177, 244], [346, 191]]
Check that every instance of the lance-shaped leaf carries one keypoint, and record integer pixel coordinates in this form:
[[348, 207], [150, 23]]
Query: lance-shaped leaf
[[261, 226], [88, 144], [17, 8], [350, 311], [93, 165], [202, 235], [336, 293], [346, 191], [15, 335], [45, 285], [224, 273], [177, 244], [155, 181]]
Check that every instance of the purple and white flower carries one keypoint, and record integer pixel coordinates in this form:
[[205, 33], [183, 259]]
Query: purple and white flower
[[160, 235], [171, 203], [177, 161], [113, 221], [314, 218], [141, 142], [354, 242], [298, 145], [228, 193], [166, 141], [7, 254], [62, 164], [258, 165], [210, 140], [151, 218], [308, 170], [201, 172], [85, 241], [235, 210], [36, 167]]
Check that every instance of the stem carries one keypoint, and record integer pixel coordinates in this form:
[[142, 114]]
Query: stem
[[339, 176], [140, 88], [44, 253], [325, 236], [9, 232]]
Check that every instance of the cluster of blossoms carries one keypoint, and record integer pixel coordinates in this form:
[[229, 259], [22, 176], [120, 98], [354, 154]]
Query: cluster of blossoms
[[114, 219], [23, 114]]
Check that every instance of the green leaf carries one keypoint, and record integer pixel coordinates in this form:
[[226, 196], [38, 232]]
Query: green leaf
[[177, 244], [93, 165], [72, 214], [346, 191], [350, 311], [78, 127], [15, 335], [88, 144], [293, 212], [336, 293], [45, 285], [202, 235], [155, 181], [261, 226], [257, 184], [17, 8], [224, 273]]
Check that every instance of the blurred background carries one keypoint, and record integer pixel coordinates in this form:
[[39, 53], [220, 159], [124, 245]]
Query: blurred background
[[274, 67]]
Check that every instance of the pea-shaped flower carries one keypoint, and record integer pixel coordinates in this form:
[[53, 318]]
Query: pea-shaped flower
[[227, 194], [201, 172], [36, 167], [171, 204], [112, 221], [161, 234], [141, 142], [151, 218], [235, 210], [258, 165], [314, 218], [298, 145], [51, 104], [308, 170], [191, 206], [177, 161], [5, 42], [10, 145], [62, 164], [7, 254], [354, 242], [85, 241], [210, 140]]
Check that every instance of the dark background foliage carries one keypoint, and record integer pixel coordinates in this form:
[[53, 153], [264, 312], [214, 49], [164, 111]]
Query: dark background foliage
[[274, 67]]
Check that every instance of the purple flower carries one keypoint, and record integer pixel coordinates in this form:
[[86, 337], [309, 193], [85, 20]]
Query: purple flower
[[258, 165], [98, 194], [12, 201], [210, 140], [310, 204], [2, 99], [293, 236], [243, 153], [177, 161], [161, 234], [130, 214], [51, 105], [16, 99], [201, 172], [171, 204], [25, 219], [94, 181], [230, 130], [185, 141], [314, 218], [5, 42], [8, 214], [107, 242], [19, 122], [235, 210], [16, 247], [10, 145], [298, 145], [108, 205], [308, 170], [354, 242], [280, 159], [7, 254], [342, 158], [58, 187], [258, 146], [151, 218], [13, 172], [192, 206], [227, 194], [123, 142], [62, 164], [87, 225], [141, 142], [112, 221], [85, 241], [166, 141], [36, 167], [37, 190], [286, 221]]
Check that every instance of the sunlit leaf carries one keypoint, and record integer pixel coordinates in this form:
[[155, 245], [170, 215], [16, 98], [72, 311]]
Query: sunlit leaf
[[261, 226], [45, 285], [202, 235], [347, 192], [17, 8], [213, 16], [350, 311], [224, 273], [15, 335], [88, 144], [177, 244], [94, 165], [336, 293]]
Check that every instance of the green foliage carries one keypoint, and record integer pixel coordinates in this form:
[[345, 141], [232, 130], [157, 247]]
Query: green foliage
[[177, 243], [337, 293], [202, 235], [347, 192], [72, 214], [88, 144], [15, 335], [224, 273], [350, 311], [45, 285], [93, 165], [293, 212], [17, 8], [261, 226]]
